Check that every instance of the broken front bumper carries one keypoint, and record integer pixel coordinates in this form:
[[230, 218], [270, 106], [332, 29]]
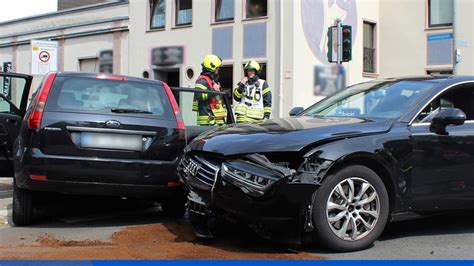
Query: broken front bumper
[[279, 209]]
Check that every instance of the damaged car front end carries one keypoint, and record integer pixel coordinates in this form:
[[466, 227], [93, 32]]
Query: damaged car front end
[[273, 197]]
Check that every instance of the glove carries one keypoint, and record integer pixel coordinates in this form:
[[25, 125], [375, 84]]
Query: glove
[[241, 88]]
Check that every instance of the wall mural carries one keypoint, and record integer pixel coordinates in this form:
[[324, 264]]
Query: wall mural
[[318, 15]]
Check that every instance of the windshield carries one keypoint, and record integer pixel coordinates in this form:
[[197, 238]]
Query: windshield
[[380, 99]]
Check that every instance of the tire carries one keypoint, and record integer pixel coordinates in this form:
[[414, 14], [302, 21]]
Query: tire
[[22, 209], [369, 211]]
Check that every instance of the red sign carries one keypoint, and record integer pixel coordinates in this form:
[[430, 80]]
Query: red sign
[[44, 56]]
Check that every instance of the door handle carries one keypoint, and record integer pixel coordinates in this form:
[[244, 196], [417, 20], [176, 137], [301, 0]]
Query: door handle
[[11, 121]]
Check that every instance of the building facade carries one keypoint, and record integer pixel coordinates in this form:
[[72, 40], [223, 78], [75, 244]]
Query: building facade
[[68, 4], [167, 39], [81, 34]]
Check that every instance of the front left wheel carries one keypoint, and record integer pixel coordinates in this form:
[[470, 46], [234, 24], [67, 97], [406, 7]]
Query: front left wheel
[[351, 209]]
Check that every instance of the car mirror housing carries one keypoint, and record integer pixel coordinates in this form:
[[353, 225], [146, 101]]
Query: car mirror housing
[[445, 117], [296, 111]]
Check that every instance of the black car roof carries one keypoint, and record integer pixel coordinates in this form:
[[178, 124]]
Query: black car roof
[[94, 75]]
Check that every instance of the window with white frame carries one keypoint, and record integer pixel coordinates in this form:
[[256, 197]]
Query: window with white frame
[[158, 10], [224, 10], [436, 72], [369, 47], [90, 65], [184, 12], [440, 13], [255, 8]]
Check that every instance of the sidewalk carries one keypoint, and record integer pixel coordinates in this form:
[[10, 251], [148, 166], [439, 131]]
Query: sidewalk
[[6, 191], [6, 187]]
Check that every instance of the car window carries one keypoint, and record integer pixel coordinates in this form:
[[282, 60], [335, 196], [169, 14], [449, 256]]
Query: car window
[[6, 107], [372, 100], [12, 89], [461, 97], [92, 95]]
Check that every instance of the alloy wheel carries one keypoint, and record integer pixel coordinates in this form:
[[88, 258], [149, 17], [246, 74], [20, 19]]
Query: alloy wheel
[[353, 209]]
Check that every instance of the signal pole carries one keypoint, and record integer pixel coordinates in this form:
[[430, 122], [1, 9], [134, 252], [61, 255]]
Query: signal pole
[[339, 41]]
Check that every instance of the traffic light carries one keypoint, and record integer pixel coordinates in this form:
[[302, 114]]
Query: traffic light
[[346, 43]]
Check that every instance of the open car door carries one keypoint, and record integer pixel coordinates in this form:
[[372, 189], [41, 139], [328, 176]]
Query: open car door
[[14, 92], [184, 98]]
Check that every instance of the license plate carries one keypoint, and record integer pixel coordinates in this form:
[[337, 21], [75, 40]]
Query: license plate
[[111, 141]]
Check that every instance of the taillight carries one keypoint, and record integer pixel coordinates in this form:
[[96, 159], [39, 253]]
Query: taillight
[[174, 184], [34, 120], [177, 114]]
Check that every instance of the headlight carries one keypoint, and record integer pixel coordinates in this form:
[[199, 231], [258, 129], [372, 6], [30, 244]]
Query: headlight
[[249, 177]]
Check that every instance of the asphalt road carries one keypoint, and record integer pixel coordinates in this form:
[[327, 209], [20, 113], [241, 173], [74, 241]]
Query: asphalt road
[[67, 221]]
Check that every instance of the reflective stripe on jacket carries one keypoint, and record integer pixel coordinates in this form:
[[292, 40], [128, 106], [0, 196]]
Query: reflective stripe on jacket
[[210, 109], [255, 102]]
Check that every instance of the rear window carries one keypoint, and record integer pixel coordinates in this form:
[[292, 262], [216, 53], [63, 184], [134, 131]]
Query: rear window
[[101, 96]]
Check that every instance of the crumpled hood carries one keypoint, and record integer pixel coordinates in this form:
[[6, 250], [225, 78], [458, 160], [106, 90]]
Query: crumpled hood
[[284, 134]]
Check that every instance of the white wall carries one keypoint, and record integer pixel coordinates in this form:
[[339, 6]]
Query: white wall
[[304, 59], [464, 33], [85, 47], [197, 39], [63, 24]]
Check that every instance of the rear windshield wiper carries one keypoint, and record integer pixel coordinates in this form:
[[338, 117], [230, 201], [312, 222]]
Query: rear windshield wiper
[[129, 111]]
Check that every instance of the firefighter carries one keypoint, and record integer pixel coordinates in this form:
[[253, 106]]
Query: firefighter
[[253, 96], [210, 108]]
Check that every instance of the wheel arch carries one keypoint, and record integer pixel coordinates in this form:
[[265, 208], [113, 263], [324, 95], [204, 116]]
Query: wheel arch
[[373, 163]]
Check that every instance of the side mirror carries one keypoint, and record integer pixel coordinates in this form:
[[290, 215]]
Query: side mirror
[[445, 117], [296, 111]]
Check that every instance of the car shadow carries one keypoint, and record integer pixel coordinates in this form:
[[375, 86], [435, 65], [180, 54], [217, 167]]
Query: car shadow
[[460, 222], [63, 211], [450, 223], [229, 237]]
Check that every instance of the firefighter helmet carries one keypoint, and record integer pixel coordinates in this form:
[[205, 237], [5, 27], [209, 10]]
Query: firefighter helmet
[[252, 65], [211, 62]]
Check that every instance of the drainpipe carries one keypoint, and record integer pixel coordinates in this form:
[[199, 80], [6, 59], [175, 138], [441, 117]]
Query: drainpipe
[[454, 38], [280, 109]]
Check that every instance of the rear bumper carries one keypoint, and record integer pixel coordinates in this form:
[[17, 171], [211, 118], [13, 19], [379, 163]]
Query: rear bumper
[[96, 176], [102, 189]]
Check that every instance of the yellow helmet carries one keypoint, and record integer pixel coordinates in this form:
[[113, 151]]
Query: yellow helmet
[[252, 65], [211, 62]]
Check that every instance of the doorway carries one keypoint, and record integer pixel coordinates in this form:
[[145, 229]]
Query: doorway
[[169, 75]]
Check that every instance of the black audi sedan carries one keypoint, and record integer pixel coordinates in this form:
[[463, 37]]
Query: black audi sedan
[[336, 173]]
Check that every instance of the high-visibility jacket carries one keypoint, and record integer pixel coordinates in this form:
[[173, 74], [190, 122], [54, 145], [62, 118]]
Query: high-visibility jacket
[[210, 108], [255, 101]]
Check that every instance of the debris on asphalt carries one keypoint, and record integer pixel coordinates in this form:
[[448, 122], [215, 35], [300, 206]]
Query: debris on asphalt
[[155, 241]]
